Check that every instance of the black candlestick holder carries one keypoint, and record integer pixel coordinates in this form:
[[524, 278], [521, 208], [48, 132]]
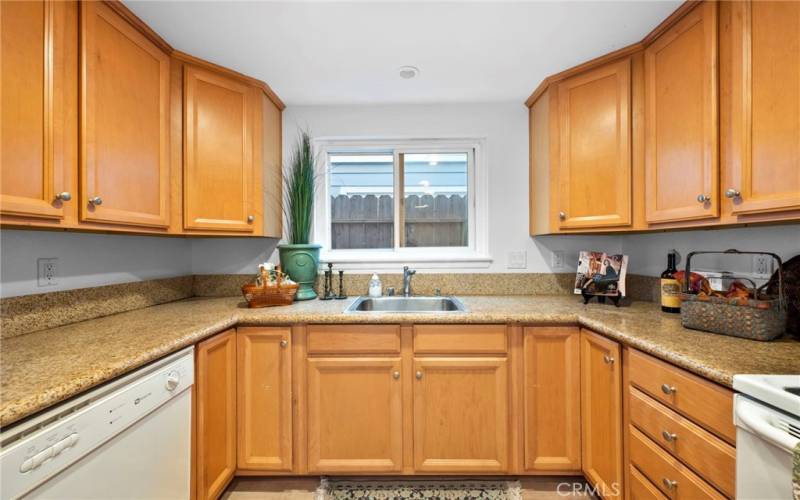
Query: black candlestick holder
[[341, 294]]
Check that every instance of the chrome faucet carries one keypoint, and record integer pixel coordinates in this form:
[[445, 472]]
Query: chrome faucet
[[407, 274]]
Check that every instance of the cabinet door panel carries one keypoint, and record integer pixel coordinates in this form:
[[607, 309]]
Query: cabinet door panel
[[215, 414], [218, 154], [601, 412], [594, 172], [552, 398], [125, 129], [34, 166], [265, 398], [461, 415], [681, 135], [766, 106], [355, 415]]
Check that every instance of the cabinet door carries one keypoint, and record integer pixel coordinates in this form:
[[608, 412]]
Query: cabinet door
[[125, 132], [355, 415], [594, 169], [765, 163], [218, 152], [265, 398], [552, 418], [601, 412], [215, 414], [681, 165], [35, 167], [461, 415]]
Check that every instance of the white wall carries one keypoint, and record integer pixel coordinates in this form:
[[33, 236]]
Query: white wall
[[504, 126], [230, 255]]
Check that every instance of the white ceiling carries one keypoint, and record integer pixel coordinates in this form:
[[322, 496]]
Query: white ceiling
[[333, 52]]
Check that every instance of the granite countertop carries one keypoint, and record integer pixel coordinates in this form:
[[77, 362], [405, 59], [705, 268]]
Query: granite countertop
[[43, 368]]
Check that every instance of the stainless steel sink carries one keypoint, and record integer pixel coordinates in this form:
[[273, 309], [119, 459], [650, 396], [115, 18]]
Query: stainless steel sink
[[406, 305]]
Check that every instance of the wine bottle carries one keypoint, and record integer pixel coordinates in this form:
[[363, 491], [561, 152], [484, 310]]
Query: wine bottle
[[670, 289]]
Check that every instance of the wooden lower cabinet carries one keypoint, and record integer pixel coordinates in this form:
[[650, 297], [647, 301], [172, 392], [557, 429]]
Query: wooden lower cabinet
[[601, 413], [461, 414], [264, 383], [215, 414], [355, 415], [551, 398]]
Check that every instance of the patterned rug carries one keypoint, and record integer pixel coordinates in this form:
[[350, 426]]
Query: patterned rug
[[335, 489]]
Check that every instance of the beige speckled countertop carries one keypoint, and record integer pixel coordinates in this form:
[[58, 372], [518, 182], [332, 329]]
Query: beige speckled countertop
[[40, 369]]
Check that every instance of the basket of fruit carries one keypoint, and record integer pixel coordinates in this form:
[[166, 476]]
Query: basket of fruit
[[271, 287], [741, 310]]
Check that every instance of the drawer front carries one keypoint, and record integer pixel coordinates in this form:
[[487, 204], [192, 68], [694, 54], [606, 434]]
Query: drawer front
[[460, 339], [712, 458], [353, 339], [640, 488], [667, 473], [706, 403]]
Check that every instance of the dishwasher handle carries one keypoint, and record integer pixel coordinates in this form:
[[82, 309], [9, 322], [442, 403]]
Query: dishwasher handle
[[760, 421]]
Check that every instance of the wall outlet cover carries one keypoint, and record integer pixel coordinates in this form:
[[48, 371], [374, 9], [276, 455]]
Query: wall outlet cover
[[517, 260], [763, 265], [557, 259], [47, 271]]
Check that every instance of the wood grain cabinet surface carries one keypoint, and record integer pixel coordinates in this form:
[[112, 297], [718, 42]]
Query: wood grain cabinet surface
[[215, 414], [264, 388], [601, 413], [125, 171]]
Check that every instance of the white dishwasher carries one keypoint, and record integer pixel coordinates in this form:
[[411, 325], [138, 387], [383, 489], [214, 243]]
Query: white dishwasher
[[130, 438]]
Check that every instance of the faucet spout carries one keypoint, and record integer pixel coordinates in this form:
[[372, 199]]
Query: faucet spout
[[407, 274]]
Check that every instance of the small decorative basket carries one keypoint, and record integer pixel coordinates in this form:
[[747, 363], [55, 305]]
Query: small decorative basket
[[269, 289], [762, 317]]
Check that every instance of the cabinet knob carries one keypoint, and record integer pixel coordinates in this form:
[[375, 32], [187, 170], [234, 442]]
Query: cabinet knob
[[668, 389], [284, 343], [562, 215], [703, 198], [65, 196], [668, 436], [609, 360], [669, 483], [396, 375], [96, 201], [418, 375], [732, 193], [251, 218]]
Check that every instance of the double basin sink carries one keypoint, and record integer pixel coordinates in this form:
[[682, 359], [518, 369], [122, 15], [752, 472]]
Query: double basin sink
[[406, 305]]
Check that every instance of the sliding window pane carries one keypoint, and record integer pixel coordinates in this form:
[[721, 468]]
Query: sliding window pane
[[362, 200], [435, 200]]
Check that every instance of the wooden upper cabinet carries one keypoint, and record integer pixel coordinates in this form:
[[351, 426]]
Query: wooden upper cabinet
[[601, 413], [681, 120], [215, 414], [552, 406], [218, 173], [355, 415], [765, 114], [264, 385], [34, 164], [461, 419], [124, 143], [594, 168]]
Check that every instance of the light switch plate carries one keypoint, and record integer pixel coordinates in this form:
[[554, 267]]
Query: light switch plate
[[47, 274], [517, 260]]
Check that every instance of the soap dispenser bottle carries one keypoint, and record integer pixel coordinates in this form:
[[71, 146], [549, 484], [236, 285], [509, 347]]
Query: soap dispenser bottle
[[375, 288]]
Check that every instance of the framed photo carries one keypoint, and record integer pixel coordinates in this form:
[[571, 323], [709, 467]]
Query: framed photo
[[601, 274]]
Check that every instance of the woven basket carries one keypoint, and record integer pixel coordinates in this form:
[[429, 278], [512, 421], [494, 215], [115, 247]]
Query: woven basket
[[759, 318], [262, 294]]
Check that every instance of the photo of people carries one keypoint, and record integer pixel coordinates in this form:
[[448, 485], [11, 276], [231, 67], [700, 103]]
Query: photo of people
[[601, 274]]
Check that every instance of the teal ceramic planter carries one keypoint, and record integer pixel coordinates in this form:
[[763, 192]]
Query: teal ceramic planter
[[301, 263]]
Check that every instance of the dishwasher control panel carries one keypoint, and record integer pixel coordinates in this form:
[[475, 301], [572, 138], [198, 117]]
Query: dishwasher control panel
[[44, 450]]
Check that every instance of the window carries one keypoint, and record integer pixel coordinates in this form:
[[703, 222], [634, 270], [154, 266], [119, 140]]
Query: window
[[410, 201]]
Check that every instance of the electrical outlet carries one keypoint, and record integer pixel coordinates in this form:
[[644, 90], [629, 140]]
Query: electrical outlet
[[557, 259], [517, 260], [762, 265], [47, 274]]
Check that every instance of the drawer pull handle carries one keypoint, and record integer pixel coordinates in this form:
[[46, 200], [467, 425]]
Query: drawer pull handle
[[669, 484], [284, 343], [609, 360], [396, 375], [668, 436], [668, 389], [418, 375]]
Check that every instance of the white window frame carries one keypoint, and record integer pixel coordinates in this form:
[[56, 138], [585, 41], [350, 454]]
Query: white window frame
[[474, 255]]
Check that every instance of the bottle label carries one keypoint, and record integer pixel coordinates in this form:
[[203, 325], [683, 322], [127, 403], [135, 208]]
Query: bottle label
[[670, 292]]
